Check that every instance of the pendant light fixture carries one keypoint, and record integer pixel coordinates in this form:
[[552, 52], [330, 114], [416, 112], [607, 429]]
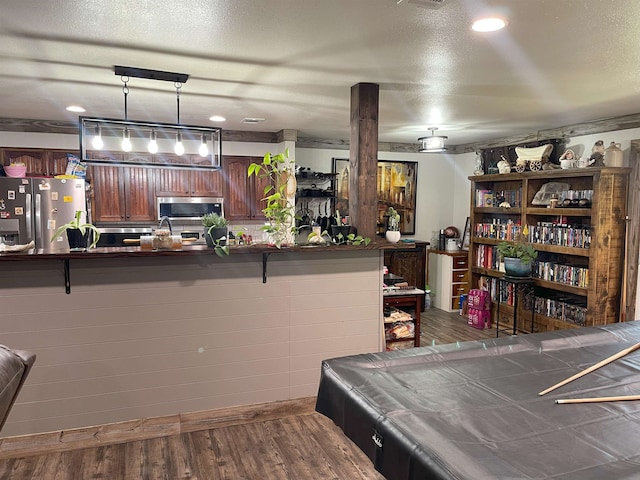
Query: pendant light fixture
[[433, 143], [126, 135], [179, 148], [153, 143], [162, 145], [97, 141], [203, 149]]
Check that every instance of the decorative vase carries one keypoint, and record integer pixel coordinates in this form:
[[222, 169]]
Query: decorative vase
[[515, 267], [392, 236], [213, 235], [77, 240]]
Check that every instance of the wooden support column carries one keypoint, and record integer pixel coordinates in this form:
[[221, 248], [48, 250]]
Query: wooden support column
[[363, 158]]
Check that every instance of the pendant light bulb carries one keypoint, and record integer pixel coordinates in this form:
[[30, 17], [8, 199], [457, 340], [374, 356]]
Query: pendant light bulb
[[97, 141], [126, 141], [153, 144], [204, 149], [179, 148]]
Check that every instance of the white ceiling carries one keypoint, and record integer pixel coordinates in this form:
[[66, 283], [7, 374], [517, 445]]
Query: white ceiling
[[293, 62]]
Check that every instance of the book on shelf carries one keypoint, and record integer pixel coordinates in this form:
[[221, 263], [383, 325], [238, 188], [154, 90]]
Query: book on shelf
[[549, 233]]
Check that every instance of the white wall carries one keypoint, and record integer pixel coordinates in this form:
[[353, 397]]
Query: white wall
[[143, 337], [436, 183]]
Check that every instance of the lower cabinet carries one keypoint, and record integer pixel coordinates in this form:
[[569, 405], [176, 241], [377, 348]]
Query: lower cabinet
[[402, 318], [448, 278]]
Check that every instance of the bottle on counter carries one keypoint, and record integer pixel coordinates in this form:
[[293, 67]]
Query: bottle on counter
[[441, 240]]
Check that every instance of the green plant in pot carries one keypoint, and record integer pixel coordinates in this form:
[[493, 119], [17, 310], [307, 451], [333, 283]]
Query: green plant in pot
[[518, 257], [393, 226], [278, 196], [216, 231], [80, 235]]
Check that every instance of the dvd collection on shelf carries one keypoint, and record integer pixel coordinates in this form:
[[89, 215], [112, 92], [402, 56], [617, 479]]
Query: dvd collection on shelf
[[489, 198]]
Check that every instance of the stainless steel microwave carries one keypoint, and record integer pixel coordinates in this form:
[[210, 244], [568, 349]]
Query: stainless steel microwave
[[188, 209]]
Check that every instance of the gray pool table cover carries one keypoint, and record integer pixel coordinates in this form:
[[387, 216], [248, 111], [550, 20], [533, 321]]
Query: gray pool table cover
[[472, 410]]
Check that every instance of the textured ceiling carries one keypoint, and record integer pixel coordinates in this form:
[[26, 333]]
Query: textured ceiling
[[293, 62]]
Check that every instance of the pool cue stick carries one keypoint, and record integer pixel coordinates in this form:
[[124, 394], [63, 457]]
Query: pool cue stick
[[599, 399], [592, 368]]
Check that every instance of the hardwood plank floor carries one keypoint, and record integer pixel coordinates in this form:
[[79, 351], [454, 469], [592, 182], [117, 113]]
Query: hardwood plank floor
[[300, 445], [438, 327]]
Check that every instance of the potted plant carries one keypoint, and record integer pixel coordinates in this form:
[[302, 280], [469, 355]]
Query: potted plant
[[340, 229], [216, 232], [216, 227], [518, 257], [78, 233], [393, 226], [279, 195]]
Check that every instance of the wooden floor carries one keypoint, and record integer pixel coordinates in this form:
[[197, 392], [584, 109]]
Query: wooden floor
[[438, 327], [299, 446]]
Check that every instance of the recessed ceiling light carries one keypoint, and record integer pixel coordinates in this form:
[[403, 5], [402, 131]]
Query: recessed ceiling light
[[76, 108], [488, 24], [217, 118]]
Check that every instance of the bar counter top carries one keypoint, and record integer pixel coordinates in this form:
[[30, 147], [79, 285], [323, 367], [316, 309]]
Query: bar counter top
[[190, 250]]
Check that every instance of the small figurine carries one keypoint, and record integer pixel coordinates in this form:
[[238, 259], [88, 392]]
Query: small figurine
[[568, 159], [503, 165], [597, 154], [478, 169]]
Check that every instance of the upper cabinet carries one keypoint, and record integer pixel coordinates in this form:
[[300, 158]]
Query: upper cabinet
[[39, 162], [122, 194], [188, 183], [175, 182], [242, 194], [580, 242]]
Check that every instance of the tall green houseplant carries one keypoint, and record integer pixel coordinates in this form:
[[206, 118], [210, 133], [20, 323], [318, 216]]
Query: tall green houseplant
[[279, 208]]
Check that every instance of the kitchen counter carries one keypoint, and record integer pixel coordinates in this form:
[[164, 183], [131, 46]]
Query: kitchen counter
[[188, 250], [145, 334]]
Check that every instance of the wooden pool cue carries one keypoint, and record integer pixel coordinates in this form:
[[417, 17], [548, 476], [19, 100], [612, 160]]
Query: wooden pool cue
[[604, 362], [599, 399]]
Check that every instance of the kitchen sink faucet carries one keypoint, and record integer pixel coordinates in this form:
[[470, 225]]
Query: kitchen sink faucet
[[168, 221]]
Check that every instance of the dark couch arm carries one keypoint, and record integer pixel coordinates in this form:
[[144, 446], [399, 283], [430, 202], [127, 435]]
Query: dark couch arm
[[15, 365]]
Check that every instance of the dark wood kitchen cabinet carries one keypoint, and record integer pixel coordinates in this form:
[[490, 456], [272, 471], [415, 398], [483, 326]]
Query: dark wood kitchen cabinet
[[122, 194], [39, 162], [242, 194], [188, 183]]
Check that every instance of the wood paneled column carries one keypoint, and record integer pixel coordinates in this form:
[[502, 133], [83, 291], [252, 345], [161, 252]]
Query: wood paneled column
[[363, 158]]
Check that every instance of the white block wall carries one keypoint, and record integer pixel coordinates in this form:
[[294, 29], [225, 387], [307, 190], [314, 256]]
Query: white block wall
[[140, 337]]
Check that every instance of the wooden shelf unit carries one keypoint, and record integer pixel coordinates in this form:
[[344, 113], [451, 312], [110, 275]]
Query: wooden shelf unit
[[410, 303], [602, 251]]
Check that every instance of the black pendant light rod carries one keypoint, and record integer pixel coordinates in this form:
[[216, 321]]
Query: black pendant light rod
[[150, 74], [178, 86], [125, 91]]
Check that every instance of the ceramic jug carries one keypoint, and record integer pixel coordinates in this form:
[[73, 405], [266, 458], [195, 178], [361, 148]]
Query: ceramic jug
[[613, 155]]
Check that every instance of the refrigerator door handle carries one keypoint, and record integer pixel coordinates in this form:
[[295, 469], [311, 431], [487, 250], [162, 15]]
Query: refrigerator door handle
[[28, 217], [38, 220]]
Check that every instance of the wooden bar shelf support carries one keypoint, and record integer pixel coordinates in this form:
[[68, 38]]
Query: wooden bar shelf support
[[67, 277], [265, 256]]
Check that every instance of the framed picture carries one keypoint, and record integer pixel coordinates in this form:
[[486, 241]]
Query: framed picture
[[396, 186], [464, 241]]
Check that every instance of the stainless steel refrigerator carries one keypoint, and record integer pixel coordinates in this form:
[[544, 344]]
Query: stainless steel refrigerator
[[32, 209]]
